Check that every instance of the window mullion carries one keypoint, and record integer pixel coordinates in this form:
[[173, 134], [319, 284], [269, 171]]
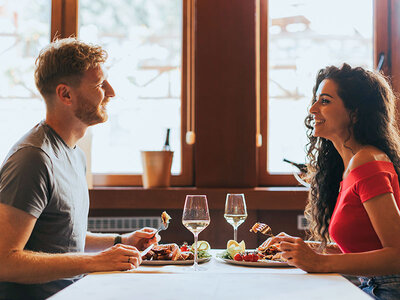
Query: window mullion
[[64, 18]]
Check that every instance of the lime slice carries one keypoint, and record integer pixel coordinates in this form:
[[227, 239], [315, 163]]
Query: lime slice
[[242, 245], [230, 243], [202, 246], [234, 247]]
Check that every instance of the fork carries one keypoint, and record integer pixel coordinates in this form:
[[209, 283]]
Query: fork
[[161, 228], [145, 251]]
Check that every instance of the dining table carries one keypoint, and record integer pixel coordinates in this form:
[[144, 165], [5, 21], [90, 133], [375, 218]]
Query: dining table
[[217, 280]]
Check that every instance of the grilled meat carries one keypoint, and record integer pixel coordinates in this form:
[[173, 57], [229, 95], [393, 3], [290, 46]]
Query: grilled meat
[[261, 227]]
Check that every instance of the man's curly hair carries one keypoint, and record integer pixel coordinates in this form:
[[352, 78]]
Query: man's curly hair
[[65, 61]]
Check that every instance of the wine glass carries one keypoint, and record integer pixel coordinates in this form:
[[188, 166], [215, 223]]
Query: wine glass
[[195, 218], [235, 211], [302, 168]]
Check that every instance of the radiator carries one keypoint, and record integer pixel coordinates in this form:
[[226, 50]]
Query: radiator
[[121, 224]]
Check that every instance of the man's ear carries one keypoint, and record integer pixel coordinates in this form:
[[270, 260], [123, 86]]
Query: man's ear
[[63, 93]]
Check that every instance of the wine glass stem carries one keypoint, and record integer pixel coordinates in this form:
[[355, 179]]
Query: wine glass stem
[[195, 264], [235, 233]]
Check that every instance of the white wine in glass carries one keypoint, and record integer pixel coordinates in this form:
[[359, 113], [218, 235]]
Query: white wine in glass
[[195, 218], [235, 211]]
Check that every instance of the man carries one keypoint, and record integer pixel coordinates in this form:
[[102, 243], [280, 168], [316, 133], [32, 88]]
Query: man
[[43, 193]]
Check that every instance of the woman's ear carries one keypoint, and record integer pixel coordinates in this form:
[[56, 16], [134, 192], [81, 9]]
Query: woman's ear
[[354, 117], [63, 93]]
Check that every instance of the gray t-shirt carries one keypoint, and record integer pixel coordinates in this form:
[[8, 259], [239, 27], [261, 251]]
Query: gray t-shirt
[[44, 177]]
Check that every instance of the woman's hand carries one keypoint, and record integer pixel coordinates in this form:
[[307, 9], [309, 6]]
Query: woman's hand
[[141, 239], [271, 240], [119, 257], [299, 254]]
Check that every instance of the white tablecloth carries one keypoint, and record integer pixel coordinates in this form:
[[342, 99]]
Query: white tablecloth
[[219, 281]]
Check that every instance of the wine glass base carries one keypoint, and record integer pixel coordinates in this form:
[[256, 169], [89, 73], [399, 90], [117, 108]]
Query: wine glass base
[[197, 269], [193, 269]]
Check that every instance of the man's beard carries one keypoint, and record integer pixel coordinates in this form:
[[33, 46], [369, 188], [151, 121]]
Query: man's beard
[[91, 114]]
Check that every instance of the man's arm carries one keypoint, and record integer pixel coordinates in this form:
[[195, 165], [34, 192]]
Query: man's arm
[[22, 266], [99, 241], [140, 239]]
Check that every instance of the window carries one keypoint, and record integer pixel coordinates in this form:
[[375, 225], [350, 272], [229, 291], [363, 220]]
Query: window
[[171, 61], [24, 31], [146, 66], [144, 42], [303, 37]]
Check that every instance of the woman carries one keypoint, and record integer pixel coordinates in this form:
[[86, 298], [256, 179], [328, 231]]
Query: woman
[[354, 175]]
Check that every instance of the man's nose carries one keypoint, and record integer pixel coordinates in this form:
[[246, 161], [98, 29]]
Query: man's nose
[[109, 90]]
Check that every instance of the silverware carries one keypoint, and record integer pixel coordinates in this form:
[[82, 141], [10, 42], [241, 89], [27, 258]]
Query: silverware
[[145, 251], [162, 227]]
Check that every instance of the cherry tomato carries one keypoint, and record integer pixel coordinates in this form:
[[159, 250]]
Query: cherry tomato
[[255, 257], [248, 257], [238, 257], [184, 248]]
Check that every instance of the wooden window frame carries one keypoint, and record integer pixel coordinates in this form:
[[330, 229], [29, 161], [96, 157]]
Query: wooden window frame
[[64, 23], [225, 153], [382, 43]]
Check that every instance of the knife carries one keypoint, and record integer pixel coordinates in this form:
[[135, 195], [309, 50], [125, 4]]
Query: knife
[[145, 251]]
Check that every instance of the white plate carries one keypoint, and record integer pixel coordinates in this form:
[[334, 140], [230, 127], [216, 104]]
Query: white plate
[[173, 262], [260, 263]]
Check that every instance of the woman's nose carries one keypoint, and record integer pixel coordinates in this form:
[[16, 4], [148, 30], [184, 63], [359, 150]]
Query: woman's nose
[[314, 107]]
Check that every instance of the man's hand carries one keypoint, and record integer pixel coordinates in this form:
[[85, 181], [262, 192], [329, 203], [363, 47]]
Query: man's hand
[[142, 238], [117, 258]]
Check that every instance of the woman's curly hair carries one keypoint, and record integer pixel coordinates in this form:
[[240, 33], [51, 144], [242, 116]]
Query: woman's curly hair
[[368, 97]]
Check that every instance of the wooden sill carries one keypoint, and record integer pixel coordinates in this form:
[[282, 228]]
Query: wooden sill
[[260, 198]]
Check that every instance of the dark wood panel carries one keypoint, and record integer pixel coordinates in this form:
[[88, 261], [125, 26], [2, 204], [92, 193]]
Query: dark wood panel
[[173, 198], [381, 36], [225, 149], [395, 45]]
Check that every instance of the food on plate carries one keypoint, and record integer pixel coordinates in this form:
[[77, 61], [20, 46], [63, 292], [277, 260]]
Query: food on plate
[[263, 228], [238, 257], [270, 252], [165, 218], [233, 247], [247, 256], [202, 246], [185, 247], [264, 253], [174, 252], [164, 252], [186, 255], [202, 249], [267, 251]]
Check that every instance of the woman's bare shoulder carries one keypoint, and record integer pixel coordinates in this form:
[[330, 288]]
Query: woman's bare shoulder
[[367, 154]]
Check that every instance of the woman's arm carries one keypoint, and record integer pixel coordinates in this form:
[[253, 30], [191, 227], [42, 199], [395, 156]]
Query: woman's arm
[[331, 248], [385, 218]]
